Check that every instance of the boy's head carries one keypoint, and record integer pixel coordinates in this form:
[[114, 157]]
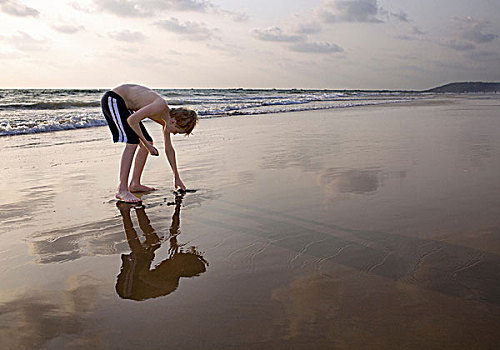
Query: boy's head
[[185, 119]]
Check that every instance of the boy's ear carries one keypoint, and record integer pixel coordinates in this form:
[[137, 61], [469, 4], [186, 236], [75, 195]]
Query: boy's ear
[[172, 121]]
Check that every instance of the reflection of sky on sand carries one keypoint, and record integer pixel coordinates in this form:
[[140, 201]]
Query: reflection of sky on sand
[[67, 315], [335, 182], [102, 237], [438, 266], [23, 211], [340, 183], [51, 319], [351, 310], [476, 145], [305, 150]]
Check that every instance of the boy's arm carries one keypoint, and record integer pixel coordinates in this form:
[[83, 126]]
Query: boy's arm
[[138, 116], [170, 152]]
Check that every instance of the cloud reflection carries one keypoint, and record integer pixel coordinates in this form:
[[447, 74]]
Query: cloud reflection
[[36, 318], [336, 183], [102, 237], [351, 310]]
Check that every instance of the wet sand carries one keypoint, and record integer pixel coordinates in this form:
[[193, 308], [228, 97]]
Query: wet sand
[[359, 228]]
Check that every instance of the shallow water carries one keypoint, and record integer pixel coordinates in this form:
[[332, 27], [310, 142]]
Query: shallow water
[[368, 228]]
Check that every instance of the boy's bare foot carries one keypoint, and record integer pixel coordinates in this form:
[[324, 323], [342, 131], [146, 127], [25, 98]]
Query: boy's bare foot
[[140, 188], [127, 197]]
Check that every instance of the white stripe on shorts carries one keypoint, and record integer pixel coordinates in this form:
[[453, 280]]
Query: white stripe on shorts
[[122, 137]]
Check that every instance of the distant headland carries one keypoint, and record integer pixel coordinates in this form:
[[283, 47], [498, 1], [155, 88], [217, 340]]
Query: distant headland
[[466, 87]]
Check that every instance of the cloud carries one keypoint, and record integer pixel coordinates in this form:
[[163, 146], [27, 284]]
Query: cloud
[[298, 41], [67, 28], [309, 28], [415, 34], [316, 47], [485, 55], [25, 42], [238, 16], [473, 30], [154, 8], [145, 8], [276, 34], [16, 8], [417, 31], [191, 30], [470, 32], [460, 45], [87, 8], [226, 49], [123, 8], [350, 11], [476, 35], [179, 5], [400, 16], [405, 37], [127, 36], [485, 59]]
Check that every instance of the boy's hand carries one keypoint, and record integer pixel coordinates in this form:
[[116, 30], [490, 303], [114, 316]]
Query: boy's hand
[[178, 183], [153, 151]]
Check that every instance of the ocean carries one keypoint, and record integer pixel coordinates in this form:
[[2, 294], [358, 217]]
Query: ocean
[[27, 111]]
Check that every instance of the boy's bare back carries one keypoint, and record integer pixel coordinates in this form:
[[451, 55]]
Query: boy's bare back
[[137, 96]]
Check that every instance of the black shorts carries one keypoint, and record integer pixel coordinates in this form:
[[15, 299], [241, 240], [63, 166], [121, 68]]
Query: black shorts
[[116, 113]]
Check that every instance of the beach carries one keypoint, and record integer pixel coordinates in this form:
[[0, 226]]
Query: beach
[[368, 227]]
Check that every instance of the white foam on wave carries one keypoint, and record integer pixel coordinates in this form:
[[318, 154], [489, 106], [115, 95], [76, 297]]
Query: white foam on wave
[[33, 111], [47, 126]]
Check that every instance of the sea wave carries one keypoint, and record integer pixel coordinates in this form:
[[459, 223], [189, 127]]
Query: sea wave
[[27, 127], [32, 111], [43, 124], [50, 105]]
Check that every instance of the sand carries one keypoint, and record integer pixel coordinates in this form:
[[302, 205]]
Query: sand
[[359, 228]]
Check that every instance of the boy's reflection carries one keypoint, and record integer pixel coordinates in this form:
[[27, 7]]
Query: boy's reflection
[[136, 280]]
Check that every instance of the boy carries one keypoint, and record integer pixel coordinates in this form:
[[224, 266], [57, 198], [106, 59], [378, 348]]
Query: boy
[[124, 108]]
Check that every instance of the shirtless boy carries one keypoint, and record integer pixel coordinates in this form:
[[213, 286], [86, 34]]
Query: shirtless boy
[[124, 108]]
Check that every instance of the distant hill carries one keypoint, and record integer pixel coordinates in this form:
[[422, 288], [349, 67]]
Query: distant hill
[[467, 87]]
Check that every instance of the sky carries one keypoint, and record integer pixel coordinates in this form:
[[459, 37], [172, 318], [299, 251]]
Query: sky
[[311, 44]]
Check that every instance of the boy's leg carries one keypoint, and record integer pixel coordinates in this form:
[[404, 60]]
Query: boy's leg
[[125, 165], [140, 162], [130, 232], [148, 230]]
